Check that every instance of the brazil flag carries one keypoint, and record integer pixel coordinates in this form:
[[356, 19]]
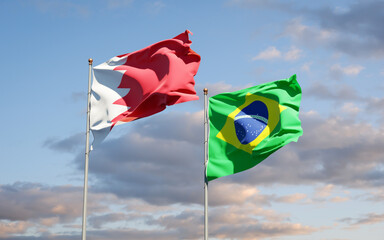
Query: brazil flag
[[247, 126]]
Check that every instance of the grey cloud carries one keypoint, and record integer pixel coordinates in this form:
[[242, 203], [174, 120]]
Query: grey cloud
[[157, 170], [335, 151], [244, 221], [99, 221], [69, 144], [161, 160], [10, 228], [161, 168], [186, 127], [355, 31], [360, 28], [29, 201], [182, 223], [331, 92], [33, 201], [374, 196], [240, 221], [340, 94], [249, 222], [43, 237], [374, 105], [371, 218]]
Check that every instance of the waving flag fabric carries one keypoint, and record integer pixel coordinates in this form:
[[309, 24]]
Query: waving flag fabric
[[142, 83], [247, 126]]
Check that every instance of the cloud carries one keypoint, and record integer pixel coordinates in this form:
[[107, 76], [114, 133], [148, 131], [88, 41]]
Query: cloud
[[374, 104], [374, 196], [273, 53], [338, 199], [269, 53], [160, 161], [238, 221], [293, 54], [155, 7], [69, 144], [371, 218], [325, 191], [347, 101], [329, 91], [293, 198], [359, 33], [350, 108], [311, 36], [306, 67], [250, 222], [336, 71], [352, 29], [30, 201], [101, 220], [134, 218], [348, 31], [332, 150], [7, 228]]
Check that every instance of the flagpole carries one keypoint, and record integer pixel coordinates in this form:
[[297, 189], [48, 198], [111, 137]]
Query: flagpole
[[205, 164], [84, 231]]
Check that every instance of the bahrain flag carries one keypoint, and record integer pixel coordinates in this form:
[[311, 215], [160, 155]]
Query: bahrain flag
[[142, 83]]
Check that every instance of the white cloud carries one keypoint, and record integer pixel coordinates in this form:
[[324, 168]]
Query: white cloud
[[351, 70], [268, 54], [309, 35], [155, 7], [350, 108], [338, 199], [306, 67], [239, 193], [325, 191], [293, 54], [7, 228], [293, 198], [273, 53]]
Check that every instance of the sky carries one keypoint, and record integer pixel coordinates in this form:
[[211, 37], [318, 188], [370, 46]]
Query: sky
[[146, 178]]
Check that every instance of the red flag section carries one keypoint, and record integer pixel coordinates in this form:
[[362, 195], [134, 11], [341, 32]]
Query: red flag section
[[142, 83], [159, 75]]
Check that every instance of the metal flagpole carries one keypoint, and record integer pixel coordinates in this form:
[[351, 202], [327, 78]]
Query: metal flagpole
[[205, 165], [84, 231]]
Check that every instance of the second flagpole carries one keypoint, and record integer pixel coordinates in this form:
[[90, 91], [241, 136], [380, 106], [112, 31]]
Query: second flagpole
[[205, 164], [84, 230]]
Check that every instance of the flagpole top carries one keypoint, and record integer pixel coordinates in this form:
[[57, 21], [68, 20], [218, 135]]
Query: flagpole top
[[205, 90], [90, 61]]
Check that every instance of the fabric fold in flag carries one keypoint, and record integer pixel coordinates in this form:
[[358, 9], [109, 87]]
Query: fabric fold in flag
[[139, 84], [247, 126]]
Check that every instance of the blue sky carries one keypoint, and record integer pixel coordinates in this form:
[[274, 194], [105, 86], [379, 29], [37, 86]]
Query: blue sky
[[146, 179]]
